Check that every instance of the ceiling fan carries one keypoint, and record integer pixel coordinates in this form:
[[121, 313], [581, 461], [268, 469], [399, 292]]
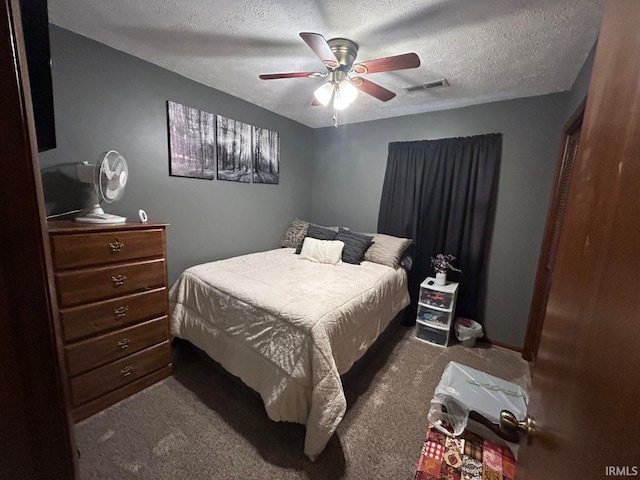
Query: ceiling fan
[[345, 76]]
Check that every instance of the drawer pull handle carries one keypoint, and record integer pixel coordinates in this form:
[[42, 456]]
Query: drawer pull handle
[[120, 312], [126, 371], [124, 343], [118, 280], [116, 246]]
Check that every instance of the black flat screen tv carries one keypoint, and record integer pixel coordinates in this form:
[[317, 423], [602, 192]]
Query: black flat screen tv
[[35, 28]]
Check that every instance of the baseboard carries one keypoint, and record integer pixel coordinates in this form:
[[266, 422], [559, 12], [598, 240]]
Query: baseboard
[[501, 344]]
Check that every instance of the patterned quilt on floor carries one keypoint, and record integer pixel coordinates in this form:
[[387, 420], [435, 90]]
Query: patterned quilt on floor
[[467, 457]]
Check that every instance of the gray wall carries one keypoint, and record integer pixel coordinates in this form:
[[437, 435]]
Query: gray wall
[[581, 85], [105, 99], [349, 168]]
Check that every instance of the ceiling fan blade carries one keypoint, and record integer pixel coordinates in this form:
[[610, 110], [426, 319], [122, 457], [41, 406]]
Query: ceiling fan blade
[[373, 89], [321, 48], [316, 103], [386, 64], [275, 76]]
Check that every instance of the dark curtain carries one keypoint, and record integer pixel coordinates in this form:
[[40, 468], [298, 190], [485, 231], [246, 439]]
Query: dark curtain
[[441, 194]]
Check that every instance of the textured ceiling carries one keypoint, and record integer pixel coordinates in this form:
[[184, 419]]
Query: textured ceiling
[[488, 50]]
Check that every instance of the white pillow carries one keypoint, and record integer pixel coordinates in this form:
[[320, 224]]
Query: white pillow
[[322, 251]]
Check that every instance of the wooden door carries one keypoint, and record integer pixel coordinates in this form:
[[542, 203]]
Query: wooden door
[[586, 382]]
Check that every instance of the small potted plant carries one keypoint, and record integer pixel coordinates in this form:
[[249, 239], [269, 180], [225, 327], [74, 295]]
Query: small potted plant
[[441, 263]]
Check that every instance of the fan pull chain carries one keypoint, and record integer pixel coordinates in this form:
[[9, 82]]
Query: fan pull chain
[[335, 118]]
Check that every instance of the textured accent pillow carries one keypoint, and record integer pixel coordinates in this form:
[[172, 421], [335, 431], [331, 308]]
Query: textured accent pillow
[[321, 251], [355, 244], [294, 235], [319, 233], [386, 250]]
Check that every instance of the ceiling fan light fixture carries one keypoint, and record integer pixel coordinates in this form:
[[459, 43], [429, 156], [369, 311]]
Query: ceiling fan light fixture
[[324, 93], [338, 56]]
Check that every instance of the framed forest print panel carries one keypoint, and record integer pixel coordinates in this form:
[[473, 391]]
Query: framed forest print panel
[[233, 150], [191, 142], [266, 156]]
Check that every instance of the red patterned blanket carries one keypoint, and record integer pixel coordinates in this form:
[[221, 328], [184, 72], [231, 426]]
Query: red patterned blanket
[[467, 457]]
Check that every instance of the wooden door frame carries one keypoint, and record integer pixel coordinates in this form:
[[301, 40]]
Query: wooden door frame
[[541, 286], [36, 437]]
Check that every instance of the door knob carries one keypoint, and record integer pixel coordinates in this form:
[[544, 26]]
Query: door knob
[[510, 424]]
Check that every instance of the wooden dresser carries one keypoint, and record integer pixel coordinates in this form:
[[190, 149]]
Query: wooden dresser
[[111, 286]]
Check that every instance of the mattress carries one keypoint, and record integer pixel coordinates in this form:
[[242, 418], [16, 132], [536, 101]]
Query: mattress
[[288, 327]]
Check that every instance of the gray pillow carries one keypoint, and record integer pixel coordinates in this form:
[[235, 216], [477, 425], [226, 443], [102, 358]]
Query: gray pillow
[[355, 244], [387, 250], [319, 233]]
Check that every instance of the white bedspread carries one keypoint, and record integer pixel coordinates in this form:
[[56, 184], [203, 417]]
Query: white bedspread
[[288, 328]]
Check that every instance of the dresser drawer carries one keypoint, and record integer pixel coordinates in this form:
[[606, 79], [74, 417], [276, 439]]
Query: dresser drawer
[[100, 317], [89, 354], [121, 372], [94, 406], [84, 249], [92, 284]]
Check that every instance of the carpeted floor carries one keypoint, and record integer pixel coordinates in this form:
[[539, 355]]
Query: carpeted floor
[[201, 424]]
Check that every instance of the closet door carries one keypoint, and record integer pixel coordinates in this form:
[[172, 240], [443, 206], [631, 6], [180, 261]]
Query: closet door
[[549, 248]]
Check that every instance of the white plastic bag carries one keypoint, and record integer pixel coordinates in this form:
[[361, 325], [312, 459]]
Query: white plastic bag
[[467, 331], [462, 389]]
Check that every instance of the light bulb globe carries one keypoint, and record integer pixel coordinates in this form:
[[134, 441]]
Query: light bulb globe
[[347, 91], [324, 93]]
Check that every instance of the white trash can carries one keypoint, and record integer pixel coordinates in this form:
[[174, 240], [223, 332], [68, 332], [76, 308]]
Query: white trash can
[[467, 331]]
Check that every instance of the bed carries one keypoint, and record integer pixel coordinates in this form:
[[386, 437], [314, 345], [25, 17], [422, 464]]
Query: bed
[[288, 327]]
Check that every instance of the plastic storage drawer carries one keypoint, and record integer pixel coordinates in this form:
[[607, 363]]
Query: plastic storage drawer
[[432, 335], [435, 298], [433, 317]]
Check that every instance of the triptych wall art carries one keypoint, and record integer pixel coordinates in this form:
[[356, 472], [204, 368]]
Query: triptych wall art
[[201, 146]]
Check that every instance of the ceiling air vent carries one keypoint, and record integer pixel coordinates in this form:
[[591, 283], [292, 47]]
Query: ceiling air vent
[[436, 83]]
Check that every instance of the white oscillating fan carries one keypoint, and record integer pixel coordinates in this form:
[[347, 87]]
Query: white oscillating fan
[[108, 178]]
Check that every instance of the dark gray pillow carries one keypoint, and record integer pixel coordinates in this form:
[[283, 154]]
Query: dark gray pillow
[[319, 233], [355, 244]]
